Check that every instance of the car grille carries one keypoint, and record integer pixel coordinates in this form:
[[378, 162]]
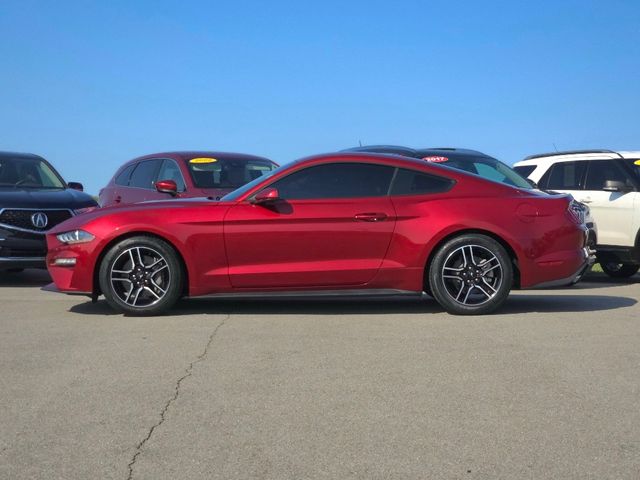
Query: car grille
[[6, 252], [22, 218]]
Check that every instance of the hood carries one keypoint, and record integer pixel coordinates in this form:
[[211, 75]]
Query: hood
[[156, 207], [35, 198]]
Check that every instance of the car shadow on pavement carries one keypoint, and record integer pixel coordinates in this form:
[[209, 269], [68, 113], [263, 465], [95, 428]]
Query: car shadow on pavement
[[27, 278], [601, 280], [519, 303], [542, 303]]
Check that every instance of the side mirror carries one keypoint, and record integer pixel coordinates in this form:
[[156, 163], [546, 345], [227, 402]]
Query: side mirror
[[615, 186], [167, 186], [76, 186], [268, 195]]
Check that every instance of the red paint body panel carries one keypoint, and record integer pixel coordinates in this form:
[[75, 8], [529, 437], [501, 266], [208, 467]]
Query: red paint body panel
[[307, 242], [325, 244]]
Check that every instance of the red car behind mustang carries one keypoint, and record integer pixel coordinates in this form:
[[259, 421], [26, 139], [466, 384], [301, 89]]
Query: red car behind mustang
[[341, 223]]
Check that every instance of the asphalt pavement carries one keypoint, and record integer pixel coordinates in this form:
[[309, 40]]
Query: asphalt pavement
[[547, 388]]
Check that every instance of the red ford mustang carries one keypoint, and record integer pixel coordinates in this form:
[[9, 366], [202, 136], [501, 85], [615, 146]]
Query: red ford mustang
[[340, 223]]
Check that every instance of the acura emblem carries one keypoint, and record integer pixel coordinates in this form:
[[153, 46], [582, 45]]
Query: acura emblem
[[39, 220]]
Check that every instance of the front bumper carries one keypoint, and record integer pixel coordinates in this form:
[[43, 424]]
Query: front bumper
[[22, 249], [76, 279]]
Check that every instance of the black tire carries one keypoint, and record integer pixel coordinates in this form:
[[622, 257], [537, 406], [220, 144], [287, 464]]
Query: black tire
[[141, 276], [619, 270], [471, 275]]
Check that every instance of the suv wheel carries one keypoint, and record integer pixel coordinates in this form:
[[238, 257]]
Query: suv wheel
[[141, 276], [619, 270], [471, 275]]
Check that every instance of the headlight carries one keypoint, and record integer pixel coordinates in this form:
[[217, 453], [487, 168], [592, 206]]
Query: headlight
[[78, 211], [76, 236]]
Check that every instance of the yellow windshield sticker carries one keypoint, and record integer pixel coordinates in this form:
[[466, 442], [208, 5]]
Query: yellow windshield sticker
[[203, 160], [637, 162]]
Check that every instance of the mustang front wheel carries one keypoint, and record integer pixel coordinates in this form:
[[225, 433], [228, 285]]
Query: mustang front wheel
[[141, 276], [471, 275]]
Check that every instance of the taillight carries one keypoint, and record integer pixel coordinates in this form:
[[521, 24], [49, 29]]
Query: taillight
[[577, 212]]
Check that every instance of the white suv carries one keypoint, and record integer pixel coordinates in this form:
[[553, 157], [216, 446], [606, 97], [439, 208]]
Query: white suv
[[609, 183]]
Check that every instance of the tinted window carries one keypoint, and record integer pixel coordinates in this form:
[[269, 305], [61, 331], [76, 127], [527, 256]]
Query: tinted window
[[28, 173], [336, 180], [145, 174], [564, 176], [123, 177], [171, 171], [411, 182], [635, 167], [488, 168], [227, 172], [525, 170], [599, 171]]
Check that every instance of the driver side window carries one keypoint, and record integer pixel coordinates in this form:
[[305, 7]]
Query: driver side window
[[171, 171], [600, 171], [336, 180]]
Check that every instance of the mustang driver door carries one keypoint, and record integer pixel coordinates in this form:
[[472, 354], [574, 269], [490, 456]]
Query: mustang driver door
[[330, 225]]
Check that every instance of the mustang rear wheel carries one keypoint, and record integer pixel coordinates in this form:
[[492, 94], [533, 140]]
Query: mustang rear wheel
[[471, 275], [141, 276]]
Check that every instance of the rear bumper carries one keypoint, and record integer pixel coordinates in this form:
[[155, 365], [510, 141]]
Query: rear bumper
[[589, 259]]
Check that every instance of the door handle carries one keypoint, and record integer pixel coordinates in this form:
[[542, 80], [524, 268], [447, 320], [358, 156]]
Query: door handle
[[370, 217], [586, 200], [118, 199]]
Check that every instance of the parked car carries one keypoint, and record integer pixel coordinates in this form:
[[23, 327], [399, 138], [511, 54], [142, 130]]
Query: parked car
[[33, 199], [182, 174], [346, 223], [471, 161], [609, 183], [479, 163]]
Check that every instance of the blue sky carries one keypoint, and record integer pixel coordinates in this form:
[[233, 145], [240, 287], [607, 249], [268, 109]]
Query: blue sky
[[91, 84]]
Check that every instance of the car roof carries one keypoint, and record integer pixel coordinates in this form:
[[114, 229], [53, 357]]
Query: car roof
[[188, 154], [566, 156], [382, 158], [389, 149], [459, 153], [12, 155]]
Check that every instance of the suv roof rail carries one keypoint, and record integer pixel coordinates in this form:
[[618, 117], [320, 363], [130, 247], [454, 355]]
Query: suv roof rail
[[571, 152]]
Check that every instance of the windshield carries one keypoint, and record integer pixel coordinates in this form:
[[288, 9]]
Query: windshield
[[491, 169], [231, 196], [28, 173], [227, 172]]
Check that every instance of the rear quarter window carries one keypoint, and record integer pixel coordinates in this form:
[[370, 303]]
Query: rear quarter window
[[412, 182]]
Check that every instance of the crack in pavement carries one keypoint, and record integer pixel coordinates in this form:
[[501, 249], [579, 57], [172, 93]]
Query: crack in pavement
[[188, 372]]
